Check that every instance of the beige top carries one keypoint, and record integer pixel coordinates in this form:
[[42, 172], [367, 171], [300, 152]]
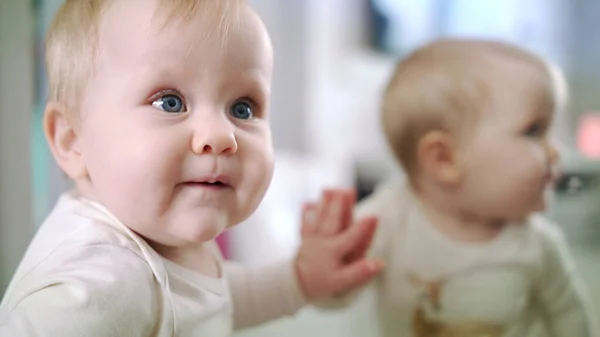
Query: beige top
[[86, 274], [434, 286]]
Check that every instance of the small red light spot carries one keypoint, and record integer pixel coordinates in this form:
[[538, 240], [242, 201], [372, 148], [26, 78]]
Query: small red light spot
[[588, 135]]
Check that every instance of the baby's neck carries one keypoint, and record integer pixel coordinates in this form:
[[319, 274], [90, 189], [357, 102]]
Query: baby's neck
[[455, 223], [201, 259]]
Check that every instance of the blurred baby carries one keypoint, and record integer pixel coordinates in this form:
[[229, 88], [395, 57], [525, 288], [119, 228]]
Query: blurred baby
[[158, 110], [466, 254]]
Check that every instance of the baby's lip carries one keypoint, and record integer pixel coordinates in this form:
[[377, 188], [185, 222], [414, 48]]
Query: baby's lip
[[212, 180]]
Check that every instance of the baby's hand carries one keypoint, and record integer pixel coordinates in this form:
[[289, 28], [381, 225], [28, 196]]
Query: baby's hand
[[331, 257]]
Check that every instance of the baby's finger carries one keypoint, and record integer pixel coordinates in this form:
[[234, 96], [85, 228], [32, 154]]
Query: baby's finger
[[348, 209], [363, 246], [323, 209], [356, 275], [332, 221], [309, 219], [352, 239]]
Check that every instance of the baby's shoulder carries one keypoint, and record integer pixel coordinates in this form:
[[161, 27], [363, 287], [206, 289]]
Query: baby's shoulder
[[389, 204], [76, 236], [388, 198], [542, 240], [545, 231], [81, 261], [91, 261], [78, 226]]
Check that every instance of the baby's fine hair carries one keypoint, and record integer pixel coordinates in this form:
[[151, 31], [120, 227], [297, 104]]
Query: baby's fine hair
[[72, 39], [444, 85]]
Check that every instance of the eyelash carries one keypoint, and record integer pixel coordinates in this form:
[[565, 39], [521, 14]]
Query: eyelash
[[166, 92], [536, 129]]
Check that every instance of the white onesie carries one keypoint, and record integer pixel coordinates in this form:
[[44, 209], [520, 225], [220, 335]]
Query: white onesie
[[86, 274], [436, 287]]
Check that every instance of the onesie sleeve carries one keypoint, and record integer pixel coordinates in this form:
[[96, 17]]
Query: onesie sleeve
[[263, 294], [96, 290], [560, 292]]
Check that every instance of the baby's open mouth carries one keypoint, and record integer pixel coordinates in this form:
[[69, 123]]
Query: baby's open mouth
[[216, 183]]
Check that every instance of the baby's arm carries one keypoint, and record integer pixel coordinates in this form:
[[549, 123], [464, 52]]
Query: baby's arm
[[329, 261], [90, 291], [263, 294], [560, 292]]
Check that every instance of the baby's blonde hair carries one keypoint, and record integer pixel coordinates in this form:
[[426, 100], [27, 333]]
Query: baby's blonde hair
[[445, 85], [72, 40]]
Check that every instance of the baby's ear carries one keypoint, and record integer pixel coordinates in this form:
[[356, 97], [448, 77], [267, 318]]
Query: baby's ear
[[437, 158], [62, 137]]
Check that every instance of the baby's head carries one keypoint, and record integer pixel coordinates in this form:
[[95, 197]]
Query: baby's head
[[158, 109], [469, 122]]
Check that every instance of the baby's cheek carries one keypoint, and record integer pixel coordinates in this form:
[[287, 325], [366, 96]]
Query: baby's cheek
[[257, 174], [538, 167]]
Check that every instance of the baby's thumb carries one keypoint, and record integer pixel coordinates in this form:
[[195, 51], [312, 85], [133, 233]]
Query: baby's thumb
[[356, 275]]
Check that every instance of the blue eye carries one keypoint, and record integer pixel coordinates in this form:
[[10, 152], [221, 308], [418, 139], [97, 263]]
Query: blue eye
[[170, 104], [241, 110]]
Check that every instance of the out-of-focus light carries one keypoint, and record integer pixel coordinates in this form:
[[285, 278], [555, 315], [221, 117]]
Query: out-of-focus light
[[588, 134]]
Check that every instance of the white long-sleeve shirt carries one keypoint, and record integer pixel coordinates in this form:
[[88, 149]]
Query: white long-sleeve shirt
[[85, 274], [433, 286]]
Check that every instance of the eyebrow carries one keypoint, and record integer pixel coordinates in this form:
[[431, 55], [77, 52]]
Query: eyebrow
[[252, 76], [542, 113]]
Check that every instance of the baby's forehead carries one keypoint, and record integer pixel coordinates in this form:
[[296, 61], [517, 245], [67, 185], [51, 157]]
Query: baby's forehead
[[517, 74], [522, 94], [143, 24], [146, 50], [492, 82], [132, 29]]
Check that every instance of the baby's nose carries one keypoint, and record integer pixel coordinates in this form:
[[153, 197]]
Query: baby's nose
[[216, 137], [554, 150], [554, 166]]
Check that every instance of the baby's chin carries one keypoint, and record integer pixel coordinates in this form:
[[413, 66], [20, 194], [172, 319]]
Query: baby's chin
[[188, 228], [541, 205]]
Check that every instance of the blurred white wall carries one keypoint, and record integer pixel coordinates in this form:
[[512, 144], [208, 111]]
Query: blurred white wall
[[16, 106], [324, 108]]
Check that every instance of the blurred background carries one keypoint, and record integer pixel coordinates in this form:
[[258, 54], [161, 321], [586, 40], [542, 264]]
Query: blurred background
[[333, 58]]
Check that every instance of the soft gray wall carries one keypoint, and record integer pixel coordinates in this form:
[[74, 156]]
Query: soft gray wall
[[16, 110], [585, 51], [286, 22]]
